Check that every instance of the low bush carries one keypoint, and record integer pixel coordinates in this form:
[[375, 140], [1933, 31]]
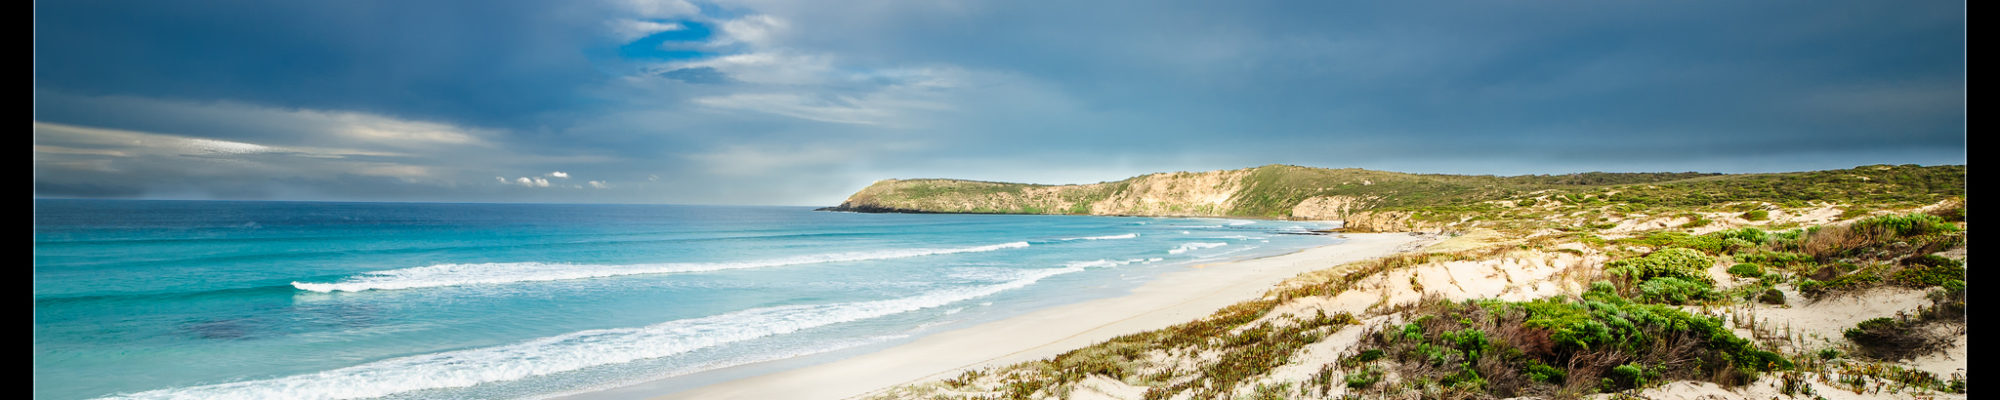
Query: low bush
[[1364, 378], [1670, 290], [1843, 284], [1746, 270], [1561, 348], [1682, 263], [1772, 296], [1757, 215], [1775, 258], [1929, 271], [1712, 244], [1905, 226], [1892, 338]]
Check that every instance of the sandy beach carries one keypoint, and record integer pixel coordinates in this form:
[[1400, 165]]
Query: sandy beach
[[1174, 298]]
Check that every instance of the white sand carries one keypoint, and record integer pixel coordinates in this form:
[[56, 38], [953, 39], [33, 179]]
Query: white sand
[[1174, 298]]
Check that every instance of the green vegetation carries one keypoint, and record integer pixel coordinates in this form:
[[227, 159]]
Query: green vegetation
[[1771, 296], [1669, 290], [1930, 271], [1889, 249], [1903, 336], [1607, 343], [1746, 270], [1673, 275]]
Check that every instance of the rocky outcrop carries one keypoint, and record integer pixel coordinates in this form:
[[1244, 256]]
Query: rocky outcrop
[[1330, 207]]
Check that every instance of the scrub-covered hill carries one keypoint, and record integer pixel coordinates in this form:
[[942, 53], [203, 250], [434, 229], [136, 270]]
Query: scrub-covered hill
[[1392, 201]]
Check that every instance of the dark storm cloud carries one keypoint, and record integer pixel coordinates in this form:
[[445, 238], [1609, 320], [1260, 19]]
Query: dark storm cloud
[[802, 102], [1430, 71], [484, 62]]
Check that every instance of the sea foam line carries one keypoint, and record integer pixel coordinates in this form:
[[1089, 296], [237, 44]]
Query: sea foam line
[[517, 272], [1108, 237], [577, 350], [1110, 263], [1184, 247]]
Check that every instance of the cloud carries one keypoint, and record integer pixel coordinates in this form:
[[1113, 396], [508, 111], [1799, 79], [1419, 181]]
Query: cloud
[[756, 101], [63, 139], [752, 30], [532, 182], [559, 174], [659, 8], [80, 160], [599, 185], [233, 120], [491, 63], [632, 29]]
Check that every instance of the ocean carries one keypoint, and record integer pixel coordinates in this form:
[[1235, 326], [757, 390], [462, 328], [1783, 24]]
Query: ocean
[[246, 299]]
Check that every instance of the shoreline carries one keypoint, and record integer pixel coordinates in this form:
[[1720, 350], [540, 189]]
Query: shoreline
[[1173, 298]]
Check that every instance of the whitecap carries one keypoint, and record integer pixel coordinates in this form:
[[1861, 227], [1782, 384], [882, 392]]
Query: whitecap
[[516, 272], [576, 350]]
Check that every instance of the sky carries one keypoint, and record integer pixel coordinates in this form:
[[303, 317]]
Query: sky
[[802, 103]]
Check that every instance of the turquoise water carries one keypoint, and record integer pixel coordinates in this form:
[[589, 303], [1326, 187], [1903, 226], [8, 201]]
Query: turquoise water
[[222, 299]]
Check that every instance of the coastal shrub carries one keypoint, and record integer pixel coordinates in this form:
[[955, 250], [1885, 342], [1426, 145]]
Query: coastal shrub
[[1775, 258], [1876, 238], [1670, 290], [1365, 378], [1772, 296], [1549, 347], [1892, 338], [1929, 271], [1746, 270], [1682, 263], [1842, 284], [1954, 212], [1752, 236], [1757, 215], [1669, 239], [1629, 376], [1732, 245], [1905, 226], [1543, 373]]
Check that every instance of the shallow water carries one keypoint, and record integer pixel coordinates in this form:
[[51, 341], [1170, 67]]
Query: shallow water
[[208, 299]]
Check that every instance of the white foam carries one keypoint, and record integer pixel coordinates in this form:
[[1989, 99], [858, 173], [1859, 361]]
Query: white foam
[[1241, 222], [576, 350], [1238, 237], [501, 273], [1184, 247], [1124, 236], [1102, 263]]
